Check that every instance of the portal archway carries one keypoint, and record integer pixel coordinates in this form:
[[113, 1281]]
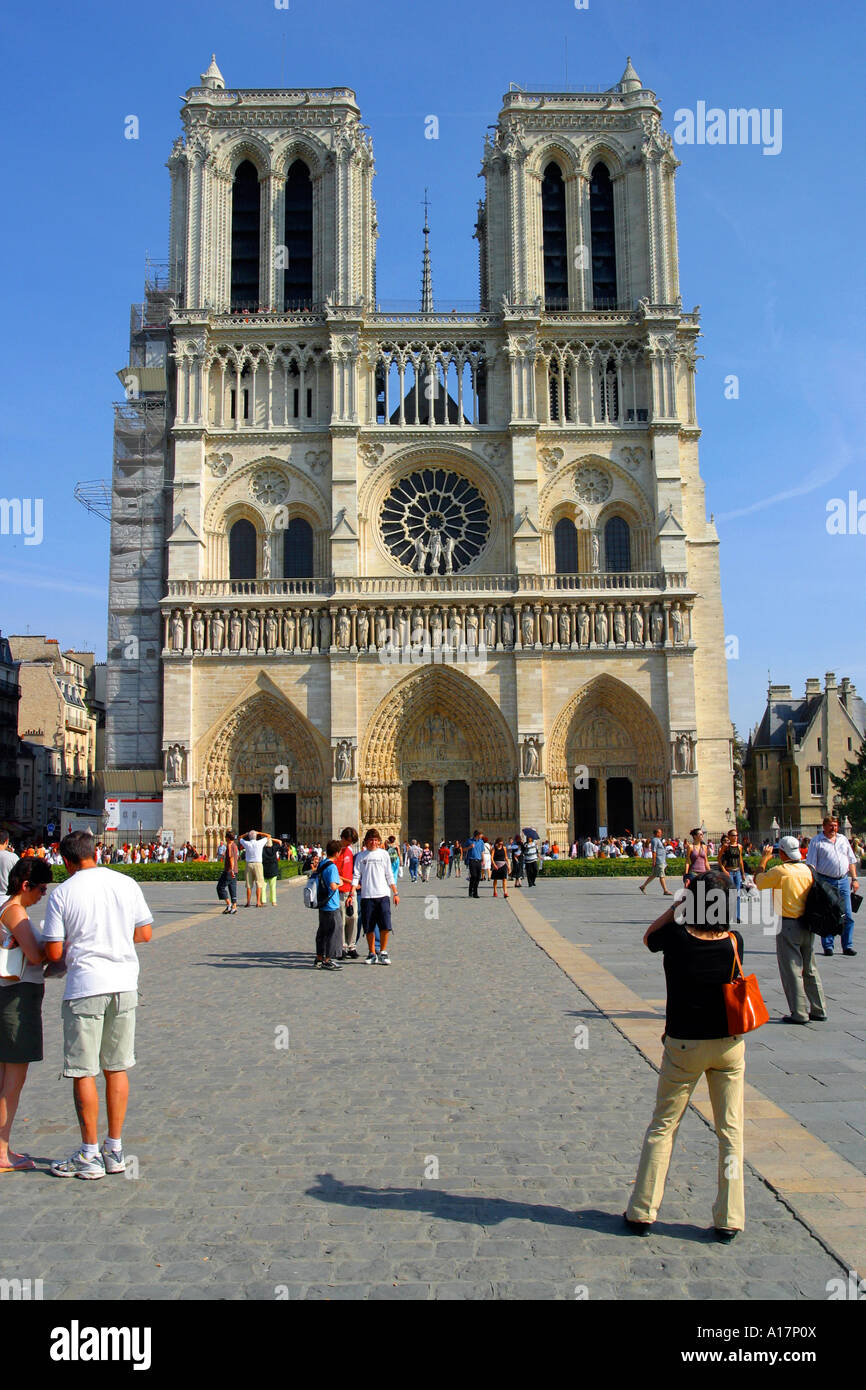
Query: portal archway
[[607, 750], [264, 748], [439, 727]]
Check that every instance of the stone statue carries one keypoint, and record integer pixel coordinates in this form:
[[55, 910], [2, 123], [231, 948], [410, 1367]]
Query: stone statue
[[420, 554], [177, 631], [266, 557], [490, 628], [363, 626], [527, 627], [235, 631], [435, 551], [381, 629], [306, 631], [289, 627], [619, 627], [198, 632], [324, 631], [252, 631], [637, 627], [217, 631], [601, 628], [344, 630], [546, 627], [684, 753], [448, 552], [270, 631], [436, 628], [594, 551], [417, 637], [657, 626], [344, 760], [455, 629], [508, 627], [530, 757], [174, 764], [678, 624], [564, 629], [472, 629], [583, 626]]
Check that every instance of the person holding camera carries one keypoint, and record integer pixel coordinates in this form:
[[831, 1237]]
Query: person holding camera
[[20, 999]]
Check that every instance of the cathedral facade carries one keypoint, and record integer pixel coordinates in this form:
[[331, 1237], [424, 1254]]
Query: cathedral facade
[[430, 571]]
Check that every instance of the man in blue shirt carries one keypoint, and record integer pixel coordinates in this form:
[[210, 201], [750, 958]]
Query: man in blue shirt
[[329, 936], [835, 863], [474, 856]]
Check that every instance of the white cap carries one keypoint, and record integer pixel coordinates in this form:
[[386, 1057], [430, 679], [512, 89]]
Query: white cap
[[791, 845]]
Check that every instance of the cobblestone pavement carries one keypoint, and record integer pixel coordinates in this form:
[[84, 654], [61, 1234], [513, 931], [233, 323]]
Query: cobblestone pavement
[[817, 1074], [308, 1171]]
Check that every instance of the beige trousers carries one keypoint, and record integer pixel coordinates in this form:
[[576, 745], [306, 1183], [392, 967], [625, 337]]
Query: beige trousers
[[685, 1062]]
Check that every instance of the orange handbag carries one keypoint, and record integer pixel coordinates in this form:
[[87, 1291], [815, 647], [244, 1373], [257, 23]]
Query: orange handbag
[[744, 1003]]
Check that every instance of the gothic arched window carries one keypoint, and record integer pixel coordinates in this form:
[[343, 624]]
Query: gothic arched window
[[554, 239], [242, 550], [298, 272], [565, 546], [246, 211], [603, 239], [617, 544], [298, 549]]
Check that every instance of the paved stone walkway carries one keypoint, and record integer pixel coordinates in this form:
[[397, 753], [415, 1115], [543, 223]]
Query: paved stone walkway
[[307, 1171]]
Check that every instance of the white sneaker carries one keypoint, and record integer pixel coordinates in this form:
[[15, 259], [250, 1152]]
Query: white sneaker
[[77, 1166], [384, 958], [113, 1159], [372, 959]]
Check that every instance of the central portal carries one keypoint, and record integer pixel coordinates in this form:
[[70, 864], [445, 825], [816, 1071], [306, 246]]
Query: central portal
[[420, 810]]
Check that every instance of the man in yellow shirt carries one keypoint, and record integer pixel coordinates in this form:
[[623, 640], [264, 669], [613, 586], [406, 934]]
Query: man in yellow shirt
[[795, 950]]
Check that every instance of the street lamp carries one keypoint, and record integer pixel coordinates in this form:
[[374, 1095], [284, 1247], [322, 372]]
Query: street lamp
[[846, 828], [775, 828]]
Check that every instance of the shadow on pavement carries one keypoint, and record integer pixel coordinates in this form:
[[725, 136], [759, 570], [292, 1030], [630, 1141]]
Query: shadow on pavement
[[485, 1211], [261, 960]]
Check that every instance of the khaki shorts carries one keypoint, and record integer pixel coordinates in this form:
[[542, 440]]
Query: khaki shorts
[[99, 1033], [255, 876]]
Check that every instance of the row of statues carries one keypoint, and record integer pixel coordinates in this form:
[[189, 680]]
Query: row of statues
[[474, 627]]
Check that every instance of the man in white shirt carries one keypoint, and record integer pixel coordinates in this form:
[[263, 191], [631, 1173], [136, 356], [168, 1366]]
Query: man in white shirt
[[94, 921], [835, 863], [374, 876], [254, 847], [659, 852], [7, 859]]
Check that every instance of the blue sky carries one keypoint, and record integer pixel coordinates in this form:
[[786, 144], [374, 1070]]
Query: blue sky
[[770, 247]]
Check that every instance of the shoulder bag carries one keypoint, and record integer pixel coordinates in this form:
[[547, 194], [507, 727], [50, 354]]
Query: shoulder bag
[[744, 1003]]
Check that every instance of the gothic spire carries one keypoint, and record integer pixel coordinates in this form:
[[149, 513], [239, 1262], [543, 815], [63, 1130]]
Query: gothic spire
[[426, 273]]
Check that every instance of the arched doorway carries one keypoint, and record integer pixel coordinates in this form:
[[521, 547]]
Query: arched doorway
[[263, 769], [607, 767], [438, 730]]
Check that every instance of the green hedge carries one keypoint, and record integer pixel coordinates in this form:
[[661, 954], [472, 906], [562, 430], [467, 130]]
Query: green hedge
[[622, 867], [194, 872]]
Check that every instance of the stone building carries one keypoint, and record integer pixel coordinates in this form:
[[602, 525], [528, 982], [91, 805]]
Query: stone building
[[792, 751], [430, 570], [10, 695], [54, 715]]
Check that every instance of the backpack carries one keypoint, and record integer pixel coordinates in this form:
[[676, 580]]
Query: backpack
[[316, 893], [823, 913]]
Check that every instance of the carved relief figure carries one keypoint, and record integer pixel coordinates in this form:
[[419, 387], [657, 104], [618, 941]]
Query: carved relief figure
[[266, 557], [546, 626], [583, 627], [594, 551], [527, 627], [601, 628], [306, 631], [564, 629], [344, 630], [420, 554], [177, 631], [637, 627], [324, 632], [217, 631], [381, 629], [252, 631], [436, 628], [435, 549], [455, 629], [530, 757], [619, 627], [657, 626], [472, 629], [363, 626], [270, 631], [683, 753], [448, 552], [344, 760], [417, 629], [174, 764], [508, 627], [678, 624], [235, 631], [198, 632], [490, 627], [289, 630]]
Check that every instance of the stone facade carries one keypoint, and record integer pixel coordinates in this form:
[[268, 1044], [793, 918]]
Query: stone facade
[[793, 750], [54, 715], [509, 611]]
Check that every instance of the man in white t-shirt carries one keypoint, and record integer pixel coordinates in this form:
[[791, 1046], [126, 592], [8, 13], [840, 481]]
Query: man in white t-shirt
[[94, 921], [254, 847], [373, 875], [7, 859]]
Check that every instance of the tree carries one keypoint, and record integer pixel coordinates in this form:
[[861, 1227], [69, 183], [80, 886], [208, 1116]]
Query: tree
[[850, 799], [738, 752]]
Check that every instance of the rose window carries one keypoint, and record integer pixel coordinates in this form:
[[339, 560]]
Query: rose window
[[435, 522], [269, 486], [592, 484]]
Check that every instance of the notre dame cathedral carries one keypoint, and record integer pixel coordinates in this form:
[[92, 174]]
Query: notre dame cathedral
[[429, 570]]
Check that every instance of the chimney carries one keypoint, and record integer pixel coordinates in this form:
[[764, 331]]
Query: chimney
[[830, 681], [844, 690], [813, 686], [779, 692]]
